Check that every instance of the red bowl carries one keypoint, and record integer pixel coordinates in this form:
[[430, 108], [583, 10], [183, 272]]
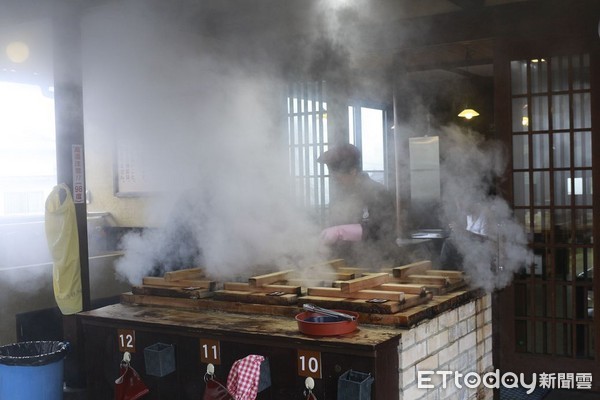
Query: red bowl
[[315, 324]]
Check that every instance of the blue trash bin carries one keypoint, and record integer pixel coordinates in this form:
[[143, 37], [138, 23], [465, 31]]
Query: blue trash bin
[[32, 370]]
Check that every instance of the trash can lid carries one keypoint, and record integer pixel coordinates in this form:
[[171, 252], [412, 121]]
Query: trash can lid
[[33, 353]]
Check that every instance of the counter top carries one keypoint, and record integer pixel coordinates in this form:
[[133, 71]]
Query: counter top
[[236, 326]]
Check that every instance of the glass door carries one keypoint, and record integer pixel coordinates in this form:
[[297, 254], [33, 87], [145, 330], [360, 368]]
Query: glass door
[[547, 321], [552, 186]]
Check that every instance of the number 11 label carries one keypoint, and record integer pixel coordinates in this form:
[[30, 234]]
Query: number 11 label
[[210, 351]]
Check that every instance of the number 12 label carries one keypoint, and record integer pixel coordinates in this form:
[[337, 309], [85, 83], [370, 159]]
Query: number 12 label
[[126, 338]]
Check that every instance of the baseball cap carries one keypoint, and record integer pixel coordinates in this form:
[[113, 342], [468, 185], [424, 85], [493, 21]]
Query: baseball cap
[[343, 157]]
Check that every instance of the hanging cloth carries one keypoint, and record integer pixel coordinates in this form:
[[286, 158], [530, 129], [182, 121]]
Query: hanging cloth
[[129, 386], [215, 390], [63, 243], [243, 378]]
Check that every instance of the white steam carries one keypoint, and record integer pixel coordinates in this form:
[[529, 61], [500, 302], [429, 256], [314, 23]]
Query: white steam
[[209, 132], [471, 166], [204, 107]]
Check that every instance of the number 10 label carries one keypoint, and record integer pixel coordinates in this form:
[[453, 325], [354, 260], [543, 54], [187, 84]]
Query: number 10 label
[[309, 363]]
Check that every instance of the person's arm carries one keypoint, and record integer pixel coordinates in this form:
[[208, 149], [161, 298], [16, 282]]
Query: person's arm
[[348, 233]]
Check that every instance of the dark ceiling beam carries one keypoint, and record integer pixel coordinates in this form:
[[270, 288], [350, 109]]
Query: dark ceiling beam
[[515, 20], [466, 4], [447, 55], [434, 42]]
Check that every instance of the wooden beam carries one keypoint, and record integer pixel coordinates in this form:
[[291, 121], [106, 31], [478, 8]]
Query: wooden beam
[[365, 282], [267, 279], [409, 288], [305, 282], [156, 281], [260, 298], [361, 294], [446, 273], [418, 267], [69, 125], [209, 304], [242, 286], [190, 273], [171, 292], [358, 305], [427, 280]]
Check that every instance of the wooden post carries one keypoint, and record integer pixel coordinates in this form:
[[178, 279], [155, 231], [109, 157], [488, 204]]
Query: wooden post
[[68, 100], [68, 103]]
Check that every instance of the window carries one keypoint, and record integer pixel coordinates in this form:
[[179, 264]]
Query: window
[[27, 172], [308, 138], [367, 132], [552, 186], [27, 149]]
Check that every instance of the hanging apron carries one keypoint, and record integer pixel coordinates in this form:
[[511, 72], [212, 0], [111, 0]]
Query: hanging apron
[[215, 390], [129, 385], [63, 243]]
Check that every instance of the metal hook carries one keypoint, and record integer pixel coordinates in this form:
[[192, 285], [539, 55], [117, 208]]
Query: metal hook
[[210, 369], [126, 360], [309, 383], [210, 372]]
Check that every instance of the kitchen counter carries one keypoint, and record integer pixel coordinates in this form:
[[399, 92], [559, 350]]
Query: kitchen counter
[[108, 331]]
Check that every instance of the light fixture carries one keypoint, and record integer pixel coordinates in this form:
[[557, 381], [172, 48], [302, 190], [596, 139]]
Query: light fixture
[[17, 52], [468, 113]]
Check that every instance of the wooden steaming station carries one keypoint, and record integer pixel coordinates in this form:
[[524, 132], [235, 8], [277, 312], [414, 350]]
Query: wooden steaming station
[[132, 104]]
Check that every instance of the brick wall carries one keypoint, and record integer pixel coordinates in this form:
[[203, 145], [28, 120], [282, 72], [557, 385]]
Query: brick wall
[[459, 340]]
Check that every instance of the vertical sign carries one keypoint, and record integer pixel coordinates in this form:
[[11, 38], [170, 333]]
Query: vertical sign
[[126, 339], [78, 190], [309, 363], [210, 351]]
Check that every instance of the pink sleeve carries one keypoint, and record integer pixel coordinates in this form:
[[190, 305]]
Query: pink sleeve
[[349, 232]]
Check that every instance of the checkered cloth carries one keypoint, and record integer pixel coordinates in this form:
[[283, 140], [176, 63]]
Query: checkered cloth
[[242, 381]]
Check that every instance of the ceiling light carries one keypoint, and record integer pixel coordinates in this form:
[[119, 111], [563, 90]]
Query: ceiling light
[[17, 52], [468, 113]]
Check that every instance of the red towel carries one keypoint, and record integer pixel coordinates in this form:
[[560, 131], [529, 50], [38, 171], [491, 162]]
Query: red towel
[[216, 391], [129, 386]]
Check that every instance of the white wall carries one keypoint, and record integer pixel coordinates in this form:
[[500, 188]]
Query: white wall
[[459, 340]]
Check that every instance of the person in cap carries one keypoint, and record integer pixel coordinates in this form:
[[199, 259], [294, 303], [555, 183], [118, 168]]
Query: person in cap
[[362, 216]]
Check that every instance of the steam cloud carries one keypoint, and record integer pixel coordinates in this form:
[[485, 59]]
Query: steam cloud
[[207, 125], [471, 167], [222, 171]]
